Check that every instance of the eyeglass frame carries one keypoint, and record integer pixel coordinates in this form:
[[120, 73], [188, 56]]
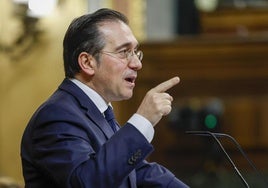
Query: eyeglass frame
[[125, 54]]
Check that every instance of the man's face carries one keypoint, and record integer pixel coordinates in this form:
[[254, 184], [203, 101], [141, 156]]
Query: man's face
[[114, 78]]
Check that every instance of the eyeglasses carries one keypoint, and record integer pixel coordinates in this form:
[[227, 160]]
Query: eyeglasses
[[125, 54]]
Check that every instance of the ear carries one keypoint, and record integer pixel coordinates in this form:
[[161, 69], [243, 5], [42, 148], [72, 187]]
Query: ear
[[86, 63]]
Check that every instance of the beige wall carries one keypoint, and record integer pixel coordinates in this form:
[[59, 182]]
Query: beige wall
[[27, 81]]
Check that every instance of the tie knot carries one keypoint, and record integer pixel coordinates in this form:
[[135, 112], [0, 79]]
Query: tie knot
[[109, 114]]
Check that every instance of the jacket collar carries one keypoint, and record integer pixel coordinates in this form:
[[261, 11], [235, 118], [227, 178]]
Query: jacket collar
[[90, 108]]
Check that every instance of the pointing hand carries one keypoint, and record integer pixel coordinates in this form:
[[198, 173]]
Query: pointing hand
[[157, 103]]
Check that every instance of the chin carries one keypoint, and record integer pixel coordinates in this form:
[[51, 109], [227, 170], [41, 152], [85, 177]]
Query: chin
[[127, 96], [123, 97]]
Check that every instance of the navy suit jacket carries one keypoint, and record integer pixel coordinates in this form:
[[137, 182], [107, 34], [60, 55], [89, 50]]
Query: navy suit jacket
[[68, 143]]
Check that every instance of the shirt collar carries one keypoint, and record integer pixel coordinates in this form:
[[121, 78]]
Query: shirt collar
[[93, 95]]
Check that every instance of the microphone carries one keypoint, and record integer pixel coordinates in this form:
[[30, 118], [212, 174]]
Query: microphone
[[214, 136]]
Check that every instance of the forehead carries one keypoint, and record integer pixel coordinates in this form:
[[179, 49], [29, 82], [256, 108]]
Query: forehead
[[117, 34]]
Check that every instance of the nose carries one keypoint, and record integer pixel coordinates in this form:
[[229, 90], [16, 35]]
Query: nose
[[135, 63]]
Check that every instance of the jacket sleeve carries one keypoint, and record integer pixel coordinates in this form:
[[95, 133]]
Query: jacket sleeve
[[70, 149], [155, 175], [114, 161]]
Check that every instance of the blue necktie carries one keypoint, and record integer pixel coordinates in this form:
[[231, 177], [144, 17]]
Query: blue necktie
[[109, 116]]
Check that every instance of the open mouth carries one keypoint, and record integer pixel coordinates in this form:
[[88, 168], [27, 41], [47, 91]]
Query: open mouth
[[130, 79]]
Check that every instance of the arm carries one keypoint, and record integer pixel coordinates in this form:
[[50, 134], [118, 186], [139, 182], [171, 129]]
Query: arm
[[115, 159], [157, 103], [155, 175], [72, 150]]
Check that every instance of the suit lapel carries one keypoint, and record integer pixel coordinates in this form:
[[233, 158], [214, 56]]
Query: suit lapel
[[90, 108], [95, 115]]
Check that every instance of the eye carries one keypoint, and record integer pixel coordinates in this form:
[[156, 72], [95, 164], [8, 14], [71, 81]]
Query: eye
[[123, 53]]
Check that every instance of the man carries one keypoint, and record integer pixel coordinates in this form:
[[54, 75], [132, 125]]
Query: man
[[68, 141]]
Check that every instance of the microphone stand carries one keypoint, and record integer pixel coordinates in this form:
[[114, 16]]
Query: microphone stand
[[243, 153], [207, 133]]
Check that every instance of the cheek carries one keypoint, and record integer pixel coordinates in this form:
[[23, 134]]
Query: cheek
[[111, 75], [111, 69]]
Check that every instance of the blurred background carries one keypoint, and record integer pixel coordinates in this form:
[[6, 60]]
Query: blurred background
[[219, 49]]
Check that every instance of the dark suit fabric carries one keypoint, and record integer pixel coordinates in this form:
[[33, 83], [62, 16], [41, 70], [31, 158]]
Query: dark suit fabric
[[68, 143]]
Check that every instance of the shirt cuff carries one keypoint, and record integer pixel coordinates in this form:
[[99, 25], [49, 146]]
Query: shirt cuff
[[143, 125]]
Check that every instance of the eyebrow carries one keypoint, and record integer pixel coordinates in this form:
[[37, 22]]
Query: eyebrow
[[127, 44]]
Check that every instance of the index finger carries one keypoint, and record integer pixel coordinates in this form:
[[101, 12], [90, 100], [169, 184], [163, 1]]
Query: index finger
[[164, 86]]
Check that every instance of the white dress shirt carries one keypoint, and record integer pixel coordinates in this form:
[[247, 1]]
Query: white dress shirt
[[138, 121]]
